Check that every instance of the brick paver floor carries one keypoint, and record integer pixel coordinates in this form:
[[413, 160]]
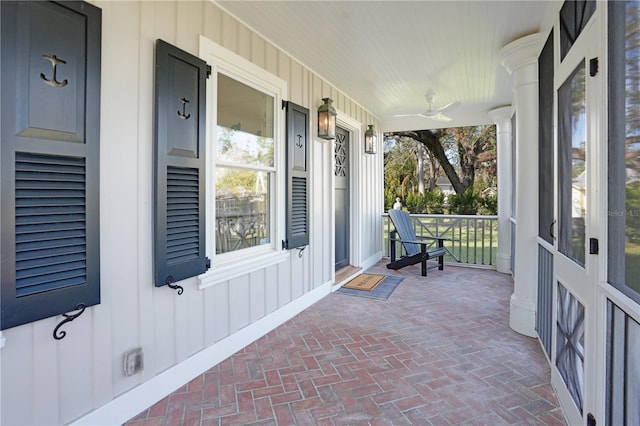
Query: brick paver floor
[[438, 352]]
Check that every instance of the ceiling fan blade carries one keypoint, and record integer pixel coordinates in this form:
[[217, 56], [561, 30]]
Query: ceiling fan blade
[[440, 117], [449, 106], [429, 114], [406, 115], [433, 115]]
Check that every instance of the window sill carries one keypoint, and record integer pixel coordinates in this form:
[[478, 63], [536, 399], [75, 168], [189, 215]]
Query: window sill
[[238, 268]]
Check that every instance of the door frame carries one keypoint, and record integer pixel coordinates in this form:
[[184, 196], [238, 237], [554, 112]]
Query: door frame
[[354, 128], [583, 282]]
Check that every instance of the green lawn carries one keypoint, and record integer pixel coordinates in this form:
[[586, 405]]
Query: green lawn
[[632, 266]]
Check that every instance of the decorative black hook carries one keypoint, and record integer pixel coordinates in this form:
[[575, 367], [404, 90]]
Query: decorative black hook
[[54, 64], [182, 115], [67, 318], [299, 143], [172, 286]]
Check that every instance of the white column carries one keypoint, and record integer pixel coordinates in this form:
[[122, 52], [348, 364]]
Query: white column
[[520, 58], [502, 118]]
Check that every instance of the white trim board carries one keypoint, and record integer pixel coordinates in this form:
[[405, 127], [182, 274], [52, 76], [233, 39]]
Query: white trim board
[[128, 405]]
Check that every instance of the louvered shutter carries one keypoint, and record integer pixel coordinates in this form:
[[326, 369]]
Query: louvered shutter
[[49, 159], [179, 238], [297, 176]]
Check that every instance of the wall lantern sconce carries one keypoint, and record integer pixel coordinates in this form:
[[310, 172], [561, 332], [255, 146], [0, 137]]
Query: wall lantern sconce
[[327, 120], [370, 140]]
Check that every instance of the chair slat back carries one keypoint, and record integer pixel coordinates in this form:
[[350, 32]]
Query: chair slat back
[[402, 222]]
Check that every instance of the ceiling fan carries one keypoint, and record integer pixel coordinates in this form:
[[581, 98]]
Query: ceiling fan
[[434, 114]]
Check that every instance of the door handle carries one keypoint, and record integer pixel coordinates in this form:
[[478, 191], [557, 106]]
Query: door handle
[[551, 230]]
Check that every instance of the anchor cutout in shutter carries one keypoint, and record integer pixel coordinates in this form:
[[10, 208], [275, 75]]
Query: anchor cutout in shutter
[[54, 64], [182, 115]]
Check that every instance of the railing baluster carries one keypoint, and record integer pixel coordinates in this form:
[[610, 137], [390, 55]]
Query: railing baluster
[[461, 245], [482, 257], [467, 237], [491, 244], [475, 238]]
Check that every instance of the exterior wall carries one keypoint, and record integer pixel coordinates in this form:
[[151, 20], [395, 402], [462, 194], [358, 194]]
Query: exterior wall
[[44, 381]]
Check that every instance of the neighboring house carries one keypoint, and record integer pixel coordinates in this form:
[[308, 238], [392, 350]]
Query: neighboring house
[[632, 175], [579, 195], [491, 191], [158, 307], [445, 186]]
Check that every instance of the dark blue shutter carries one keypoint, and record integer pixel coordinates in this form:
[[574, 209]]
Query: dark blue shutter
[[297, 176], [50, 159], [179, 238]]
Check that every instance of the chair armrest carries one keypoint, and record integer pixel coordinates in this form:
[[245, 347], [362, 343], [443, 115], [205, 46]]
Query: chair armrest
[[408, 241], [426, 237]]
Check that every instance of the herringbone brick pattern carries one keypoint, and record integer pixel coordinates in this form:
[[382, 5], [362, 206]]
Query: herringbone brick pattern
[[438, 352]]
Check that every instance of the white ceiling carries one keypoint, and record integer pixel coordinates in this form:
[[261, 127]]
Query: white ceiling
[[385, 55]]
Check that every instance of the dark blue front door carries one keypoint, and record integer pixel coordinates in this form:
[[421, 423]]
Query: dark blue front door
[[341, 153]]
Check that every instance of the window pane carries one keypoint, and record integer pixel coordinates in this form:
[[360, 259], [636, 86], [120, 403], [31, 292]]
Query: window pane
[[245, 123], [244, 148], [572, 190], [624, 147], [242, 209], [545, 135], [632, 143], [574, 16]]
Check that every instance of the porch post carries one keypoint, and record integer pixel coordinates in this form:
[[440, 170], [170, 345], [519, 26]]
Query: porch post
[[520, 58], [502, 118]]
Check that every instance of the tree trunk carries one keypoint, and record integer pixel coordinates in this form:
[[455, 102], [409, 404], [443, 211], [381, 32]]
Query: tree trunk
[[433, 177], [420, 155], [474, 145], [431, 140]]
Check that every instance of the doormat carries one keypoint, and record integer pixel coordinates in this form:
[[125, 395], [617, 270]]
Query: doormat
[[381, 292], [364, 282]]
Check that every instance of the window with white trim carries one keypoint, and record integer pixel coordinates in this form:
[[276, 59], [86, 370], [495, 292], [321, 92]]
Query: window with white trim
[[246, 148]]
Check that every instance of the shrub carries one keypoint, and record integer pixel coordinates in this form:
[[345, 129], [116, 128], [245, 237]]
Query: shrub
[[435, 202], [489, 205], [389, 199], [415, 203], [466, 203]]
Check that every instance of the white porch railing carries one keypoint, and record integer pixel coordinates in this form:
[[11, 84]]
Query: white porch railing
[[471, 240]]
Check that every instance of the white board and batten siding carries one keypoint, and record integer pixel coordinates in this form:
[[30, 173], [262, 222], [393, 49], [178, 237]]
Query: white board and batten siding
[[80, 378]]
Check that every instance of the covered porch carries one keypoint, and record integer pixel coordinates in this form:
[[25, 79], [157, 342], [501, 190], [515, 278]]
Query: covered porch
[[438, 351], [179, 328]]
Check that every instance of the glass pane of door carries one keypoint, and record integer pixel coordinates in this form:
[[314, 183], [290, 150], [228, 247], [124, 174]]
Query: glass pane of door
[[623, 261], [624, 148], [572, 176]]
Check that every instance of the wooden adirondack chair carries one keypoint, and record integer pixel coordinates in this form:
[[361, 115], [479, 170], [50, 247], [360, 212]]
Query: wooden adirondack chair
[[417, 248]]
